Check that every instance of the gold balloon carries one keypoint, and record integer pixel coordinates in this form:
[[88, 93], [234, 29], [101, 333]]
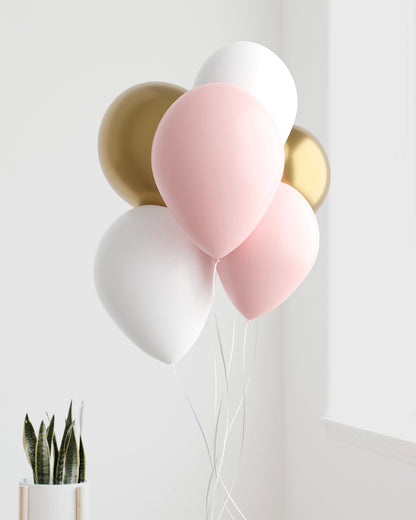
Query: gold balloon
[[306, 166], [126, 136]]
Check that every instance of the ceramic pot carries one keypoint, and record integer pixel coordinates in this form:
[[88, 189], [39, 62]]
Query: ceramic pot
[[53, 502]]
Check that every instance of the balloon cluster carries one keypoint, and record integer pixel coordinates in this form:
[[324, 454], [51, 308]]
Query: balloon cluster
[[206, 170]]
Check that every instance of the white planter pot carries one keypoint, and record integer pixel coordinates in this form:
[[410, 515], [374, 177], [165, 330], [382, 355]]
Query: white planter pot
[[53, 502]]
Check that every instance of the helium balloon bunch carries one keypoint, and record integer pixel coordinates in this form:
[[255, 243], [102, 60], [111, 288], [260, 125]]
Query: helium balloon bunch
[[221, 182]]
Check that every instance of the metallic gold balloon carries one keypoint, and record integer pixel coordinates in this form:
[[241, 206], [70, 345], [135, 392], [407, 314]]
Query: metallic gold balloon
[[126, 136], [306, 166]]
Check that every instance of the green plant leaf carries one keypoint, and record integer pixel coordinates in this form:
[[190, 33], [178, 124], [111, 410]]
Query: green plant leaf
[[81, 476], [42, 458], [69, 417], [55, 458], [59, 470], [50, 433], [29, 443], [68, 460], [69, 423], [71, 464]]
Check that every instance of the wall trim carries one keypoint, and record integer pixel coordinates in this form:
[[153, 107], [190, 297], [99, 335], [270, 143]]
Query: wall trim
[[399, 449]]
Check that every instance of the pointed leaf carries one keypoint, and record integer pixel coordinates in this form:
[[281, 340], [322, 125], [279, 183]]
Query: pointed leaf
[[59, 472], [59, 461], [50, 433], [69, 417], [71, 464], [68, 436], [81, 476], [55, 458], [42, 459], [29, 443], [68, 423]]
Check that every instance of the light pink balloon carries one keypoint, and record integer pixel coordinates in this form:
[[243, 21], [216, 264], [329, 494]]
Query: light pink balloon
[[217, 159], [265, 269]]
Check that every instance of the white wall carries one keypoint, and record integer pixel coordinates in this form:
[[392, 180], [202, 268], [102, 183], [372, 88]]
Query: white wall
[[372, 224], [62, 64], [325, 478]]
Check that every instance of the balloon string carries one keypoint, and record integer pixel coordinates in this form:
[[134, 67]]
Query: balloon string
[[244, 349], [214, 458], [228, 494], [229, 425], [214, 276], [213, 466], [215, 469], [232, 346], [214, 357], [242, 401], [217, 415], [243, 424], [228, 430], [226, 435], [201, 429], [224, 365], [245, 387]]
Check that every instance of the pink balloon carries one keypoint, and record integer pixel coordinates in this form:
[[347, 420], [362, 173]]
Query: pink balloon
[[217, 159], [266, 268]]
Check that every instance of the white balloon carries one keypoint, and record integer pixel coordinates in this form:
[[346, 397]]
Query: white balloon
[[261, 72], [154, 282]]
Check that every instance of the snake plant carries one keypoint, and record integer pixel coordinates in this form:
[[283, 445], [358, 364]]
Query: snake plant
[[68, 458]]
